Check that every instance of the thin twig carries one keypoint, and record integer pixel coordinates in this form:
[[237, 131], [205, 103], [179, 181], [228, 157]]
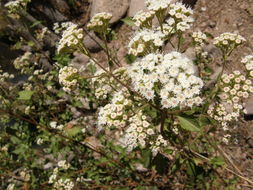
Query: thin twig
[[226, 168]]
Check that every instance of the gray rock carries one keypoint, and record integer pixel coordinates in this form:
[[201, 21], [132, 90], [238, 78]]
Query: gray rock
[[135, 6], [90, 42], [213, 51], [168, 48], [249, 105], [117, 8], [79, 60], [190, 53]]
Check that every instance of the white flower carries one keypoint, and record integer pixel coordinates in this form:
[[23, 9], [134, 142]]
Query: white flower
[[175, 73], [99, 22], [70, 38], [68, 76], [228, 40], [144, 19], [157, 5], [145, 41], [53, 124], [63, 164], [11, 186]]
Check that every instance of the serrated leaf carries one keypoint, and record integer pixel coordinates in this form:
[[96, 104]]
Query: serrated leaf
[[25, 94], [129, 21], [188, 124]]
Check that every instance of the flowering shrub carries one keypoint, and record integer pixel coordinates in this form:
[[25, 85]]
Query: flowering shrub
[[151, 124]]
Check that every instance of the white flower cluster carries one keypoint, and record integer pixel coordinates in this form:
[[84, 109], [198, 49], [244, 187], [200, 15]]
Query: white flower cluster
[[248, 62], [64, 184], [25, 175], [28, 109], [157, 5], [63, 164], [53, 124], [16, 6], [224, 113], [146, 41], [23, 62], [105, 84], [27, 86], [159, 143], [71, 38], [4, 148], [5, 76], [199, 38], [59, 27], [180, 19], [170, 76], [40, 141], [144, 19], [234, 88], [68, 77], [228, 41], [53, 177], [116, 113], [138, 132], [99, 22], [226, 138], [11, 186], [61, 184]]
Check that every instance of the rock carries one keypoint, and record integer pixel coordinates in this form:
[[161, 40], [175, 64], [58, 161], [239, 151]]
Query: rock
[[50, 13], [117, 8], [61, 6], [79, 60], [249, 105], [212, 51], [90, 42], [168, 48], [190, 53], [212, 24], [135, 6]]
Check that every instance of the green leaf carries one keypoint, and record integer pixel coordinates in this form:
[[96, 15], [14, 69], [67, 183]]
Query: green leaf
[[129, 21], [25, 95], [130, 58], [146, 154], [188, 124], [218, 161], [36, 23], [73, 131], [31, 43], [203, 121], [61, 93], [14, 140]]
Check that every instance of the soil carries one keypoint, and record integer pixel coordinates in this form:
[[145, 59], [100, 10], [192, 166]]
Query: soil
[[216, 17]]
